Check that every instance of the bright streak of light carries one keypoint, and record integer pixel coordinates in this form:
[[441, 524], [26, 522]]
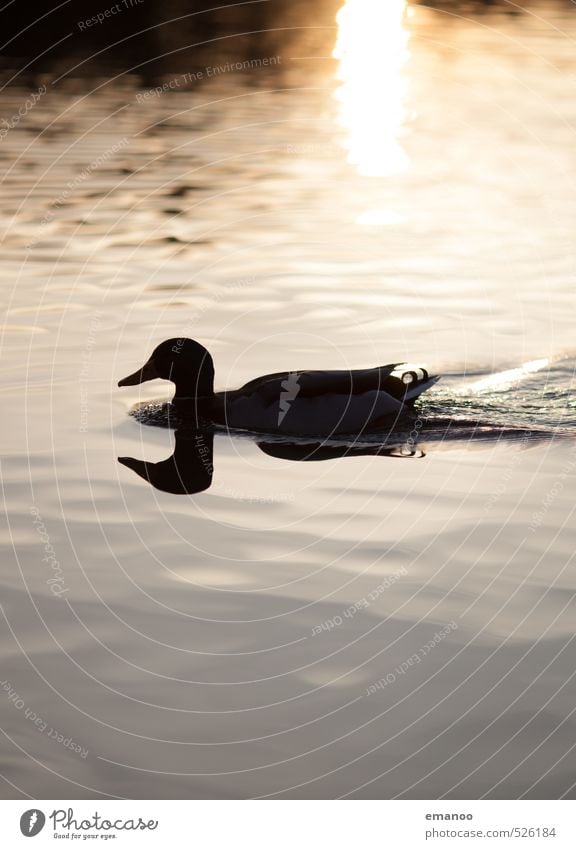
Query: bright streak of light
[[372, 49], [504, 379]]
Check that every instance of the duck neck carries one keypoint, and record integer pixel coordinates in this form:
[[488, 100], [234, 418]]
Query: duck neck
[[194, 412], [197, 399], [184, 394], [200, 388]]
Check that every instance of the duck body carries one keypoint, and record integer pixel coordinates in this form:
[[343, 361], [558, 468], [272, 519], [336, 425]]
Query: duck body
[[319, 402], [291, 403]]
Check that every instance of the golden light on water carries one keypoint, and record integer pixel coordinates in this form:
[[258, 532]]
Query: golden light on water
[[504, 379], [372, 49]]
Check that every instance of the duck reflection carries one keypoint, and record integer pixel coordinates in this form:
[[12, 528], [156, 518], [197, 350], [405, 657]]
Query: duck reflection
[[320, 451], [191, 467]]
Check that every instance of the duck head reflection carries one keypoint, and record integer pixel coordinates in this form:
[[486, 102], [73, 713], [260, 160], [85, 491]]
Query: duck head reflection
[[188, 471]]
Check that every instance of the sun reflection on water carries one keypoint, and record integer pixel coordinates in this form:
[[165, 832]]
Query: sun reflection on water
[[505, 379], [372, 49]]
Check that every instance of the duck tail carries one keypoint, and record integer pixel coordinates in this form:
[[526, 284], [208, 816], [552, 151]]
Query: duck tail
[[414, 380]]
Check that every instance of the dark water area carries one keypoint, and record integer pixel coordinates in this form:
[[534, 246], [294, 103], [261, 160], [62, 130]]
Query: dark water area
[[233, 618], [89, 37], [151, 39]]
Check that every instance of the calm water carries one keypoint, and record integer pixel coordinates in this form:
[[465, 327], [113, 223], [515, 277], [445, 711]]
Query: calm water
[[364, 626]]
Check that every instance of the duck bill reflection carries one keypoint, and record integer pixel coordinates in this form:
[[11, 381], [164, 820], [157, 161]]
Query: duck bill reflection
[[147, 372], [138, 466]]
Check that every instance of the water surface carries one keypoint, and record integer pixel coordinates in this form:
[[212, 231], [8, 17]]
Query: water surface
[[363, 626]]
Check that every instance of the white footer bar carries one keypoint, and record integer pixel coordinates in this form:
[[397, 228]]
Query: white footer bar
[[290, 824]]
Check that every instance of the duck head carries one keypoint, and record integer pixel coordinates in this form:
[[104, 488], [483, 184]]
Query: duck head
[[183, 361]]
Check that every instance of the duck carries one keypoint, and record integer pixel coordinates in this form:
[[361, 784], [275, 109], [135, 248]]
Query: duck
[[298, 403]]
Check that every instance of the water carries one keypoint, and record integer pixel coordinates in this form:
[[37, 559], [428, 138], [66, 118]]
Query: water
[[352, 626]]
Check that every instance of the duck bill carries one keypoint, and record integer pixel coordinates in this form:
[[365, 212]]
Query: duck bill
[[147, 372], [138, 466]]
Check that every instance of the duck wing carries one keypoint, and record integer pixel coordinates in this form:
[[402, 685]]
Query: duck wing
[[314, 384], [320, 402], [402, 381]]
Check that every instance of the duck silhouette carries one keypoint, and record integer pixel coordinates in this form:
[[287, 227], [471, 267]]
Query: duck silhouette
[[190, 469], [296, 403]]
